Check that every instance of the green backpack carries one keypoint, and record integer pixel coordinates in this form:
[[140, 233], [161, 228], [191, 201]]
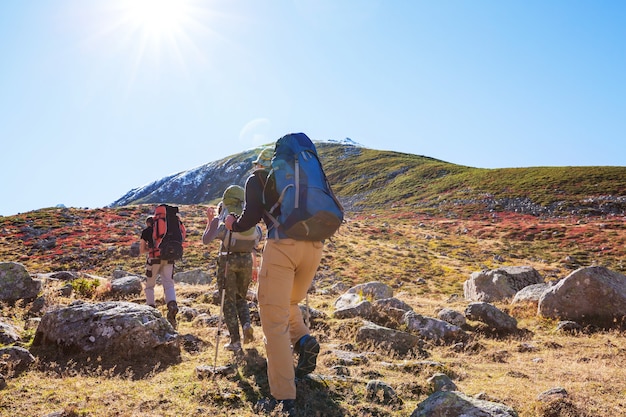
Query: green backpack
[[232, 202]]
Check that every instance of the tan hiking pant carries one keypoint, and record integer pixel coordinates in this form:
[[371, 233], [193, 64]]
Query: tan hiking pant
[[286, 274]]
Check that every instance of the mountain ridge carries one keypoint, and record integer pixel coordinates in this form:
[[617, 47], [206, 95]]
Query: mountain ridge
[[365, 178]]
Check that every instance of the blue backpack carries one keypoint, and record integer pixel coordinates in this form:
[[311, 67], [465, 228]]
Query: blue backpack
[[307, 208]]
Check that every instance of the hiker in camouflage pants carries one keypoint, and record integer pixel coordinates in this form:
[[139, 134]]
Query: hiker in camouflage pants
[[235, 290], [238, 251]]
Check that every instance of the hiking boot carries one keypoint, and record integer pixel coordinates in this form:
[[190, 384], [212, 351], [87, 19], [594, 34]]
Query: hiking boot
[[286, 408], [233, 346], [172, 310], [308, 349], [248, 334]]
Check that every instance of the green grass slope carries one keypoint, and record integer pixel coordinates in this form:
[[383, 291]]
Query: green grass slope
[[376, 179]]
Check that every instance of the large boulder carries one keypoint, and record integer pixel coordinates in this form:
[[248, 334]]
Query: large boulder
[[452, 316], [382, 393], [126, 286], [387, 339], [435, 330], [591, 295], [373, 290], [8, 334], [16, 283], [109, 330], [531, 294], [363, 309], [455, 403], [441, 382], [348, 300], [369, 301], [392, 308], [493, 317], [499, 284], [59, 276], [193, 276], [14, 360]]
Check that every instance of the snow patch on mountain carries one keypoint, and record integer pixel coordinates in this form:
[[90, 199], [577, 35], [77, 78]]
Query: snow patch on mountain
[[346, 141], [206, 183]]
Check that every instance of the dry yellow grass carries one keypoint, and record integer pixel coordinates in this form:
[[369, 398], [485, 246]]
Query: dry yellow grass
[[398, 250]]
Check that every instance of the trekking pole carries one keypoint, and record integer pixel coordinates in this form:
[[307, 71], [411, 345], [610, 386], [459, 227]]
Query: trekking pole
[[258, 270], [223, 291], [307, 313]]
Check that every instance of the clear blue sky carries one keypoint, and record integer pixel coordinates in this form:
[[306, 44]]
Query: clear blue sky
[[101, 96]]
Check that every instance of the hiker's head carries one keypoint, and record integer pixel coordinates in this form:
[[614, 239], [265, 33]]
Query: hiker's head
[[265, 157], [150, 221], [233, 199]]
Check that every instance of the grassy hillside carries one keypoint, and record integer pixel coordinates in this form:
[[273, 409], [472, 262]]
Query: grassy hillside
[[424, 257], [376, 179], [418, 224]]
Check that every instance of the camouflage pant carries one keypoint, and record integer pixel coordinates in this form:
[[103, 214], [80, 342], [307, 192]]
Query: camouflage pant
[[236, 289]]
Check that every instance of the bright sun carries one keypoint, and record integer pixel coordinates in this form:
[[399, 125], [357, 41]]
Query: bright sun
[[159, 34], [157, 17]]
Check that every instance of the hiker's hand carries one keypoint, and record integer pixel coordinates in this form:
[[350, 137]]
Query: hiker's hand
[[210, 213], [229, 220]]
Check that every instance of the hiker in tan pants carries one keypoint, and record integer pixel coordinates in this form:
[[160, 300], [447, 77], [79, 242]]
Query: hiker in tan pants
[[287, 271]]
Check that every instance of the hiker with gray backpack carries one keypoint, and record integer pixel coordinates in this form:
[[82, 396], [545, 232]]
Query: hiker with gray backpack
[[236, 266], [290, 192]]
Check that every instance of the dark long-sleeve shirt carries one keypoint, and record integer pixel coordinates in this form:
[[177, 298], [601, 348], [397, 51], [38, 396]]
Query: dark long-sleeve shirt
[[254, 210]]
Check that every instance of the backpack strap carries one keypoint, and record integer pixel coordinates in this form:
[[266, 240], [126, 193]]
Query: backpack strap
[[296, 170], [263, 177], [183, 229]]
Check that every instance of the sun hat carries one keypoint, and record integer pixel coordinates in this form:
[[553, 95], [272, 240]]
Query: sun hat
[[265, 157], [233, 199]]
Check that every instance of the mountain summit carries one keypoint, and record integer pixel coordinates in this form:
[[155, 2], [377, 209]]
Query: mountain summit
[[368, 178], [207, 182]]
